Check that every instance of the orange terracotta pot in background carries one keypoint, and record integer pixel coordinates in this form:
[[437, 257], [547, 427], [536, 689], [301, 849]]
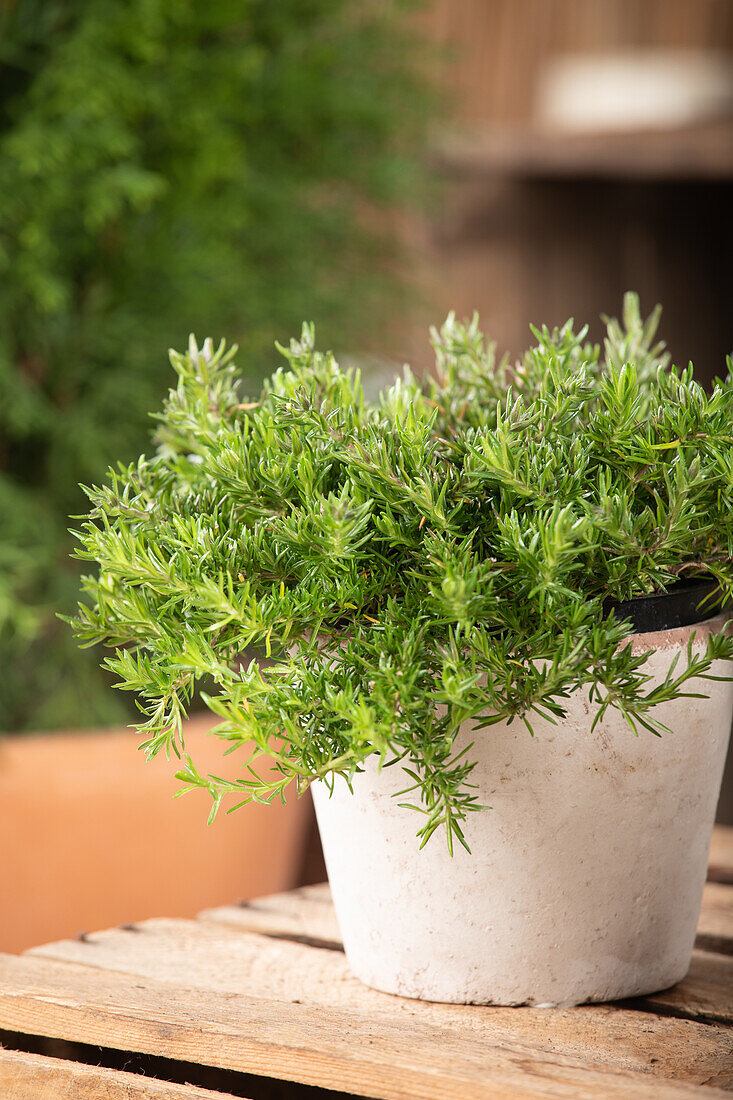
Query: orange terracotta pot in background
[[92, 836]]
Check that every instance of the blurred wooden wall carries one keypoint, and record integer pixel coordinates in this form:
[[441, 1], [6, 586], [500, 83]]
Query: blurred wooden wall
[[496, 47], [541, 243]]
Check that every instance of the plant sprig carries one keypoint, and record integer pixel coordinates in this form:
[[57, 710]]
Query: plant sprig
[[401, 568]]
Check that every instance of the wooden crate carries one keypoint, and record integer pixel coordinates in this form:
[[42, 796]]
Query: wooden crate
[[257, 1000]]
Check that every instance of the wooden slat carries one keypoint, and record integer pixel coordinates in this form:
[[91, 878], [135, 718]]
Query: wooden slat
[[306, 914], [720, 867], [230, 963], [393, 1057], [705, 994], [35, 1077], [715, 927]]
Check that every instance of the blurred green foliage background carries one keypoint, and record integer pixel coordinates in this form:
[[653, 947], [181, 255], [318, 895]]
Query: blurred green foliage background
[[169, 166]]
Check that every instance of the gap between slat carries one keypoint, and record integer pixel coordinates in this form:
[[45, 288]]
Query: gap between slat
[[228, 1082], [723, 875], [719, 945], [641, 1004]]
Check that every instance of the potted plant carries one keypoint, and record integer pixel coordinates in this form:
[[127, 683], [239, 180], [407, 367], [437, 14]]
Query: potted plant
[[456, 598]]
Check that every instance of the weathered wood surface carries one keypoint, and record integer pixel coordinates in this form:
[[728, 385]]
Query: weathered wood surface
[[306, 914], [263, 988], [392, 1056], [35, 1077], [238, 965], [241, 963], [706, 993]]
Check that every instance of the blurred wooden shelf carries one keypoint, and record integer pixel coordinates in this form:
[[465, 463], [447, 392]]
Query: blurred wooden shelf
[[697, 153], [257, 1000]]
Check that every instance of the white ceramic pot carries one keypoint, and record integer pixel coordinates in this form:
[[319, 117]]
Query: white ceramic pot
[[586, 875]]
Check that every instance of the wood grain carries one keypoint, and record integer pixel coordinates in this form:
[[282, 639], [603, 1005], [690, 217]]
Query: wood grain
[[306, 913], [393, 1057], [230, 963], [705, 994], [35, 1077]]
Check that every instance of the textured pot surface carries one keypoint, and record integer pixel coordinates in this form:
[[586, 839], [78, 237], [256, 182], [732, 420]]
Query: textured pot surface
[[586, 875]]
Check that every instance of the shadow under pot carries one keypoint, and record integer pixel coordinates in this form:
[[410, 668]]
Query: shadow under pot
[[585, 877]]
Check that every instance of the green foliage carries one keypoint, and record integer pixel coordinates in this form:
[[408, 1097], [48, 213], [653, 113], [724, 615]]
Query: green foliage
[[163, 164], [439, 557]]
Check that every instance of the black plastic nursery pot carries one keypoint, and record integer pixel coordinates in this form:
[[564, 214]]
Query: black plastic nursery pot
[[685, 604]]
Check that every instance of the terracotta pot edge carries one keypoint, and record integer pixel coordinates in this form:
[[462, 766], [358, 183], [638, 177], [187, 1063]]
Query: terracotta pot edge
[[678, 636]]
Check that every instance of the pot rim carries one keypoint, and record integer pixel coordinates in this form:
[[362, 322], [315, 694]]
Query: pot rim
[[678, 636]]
